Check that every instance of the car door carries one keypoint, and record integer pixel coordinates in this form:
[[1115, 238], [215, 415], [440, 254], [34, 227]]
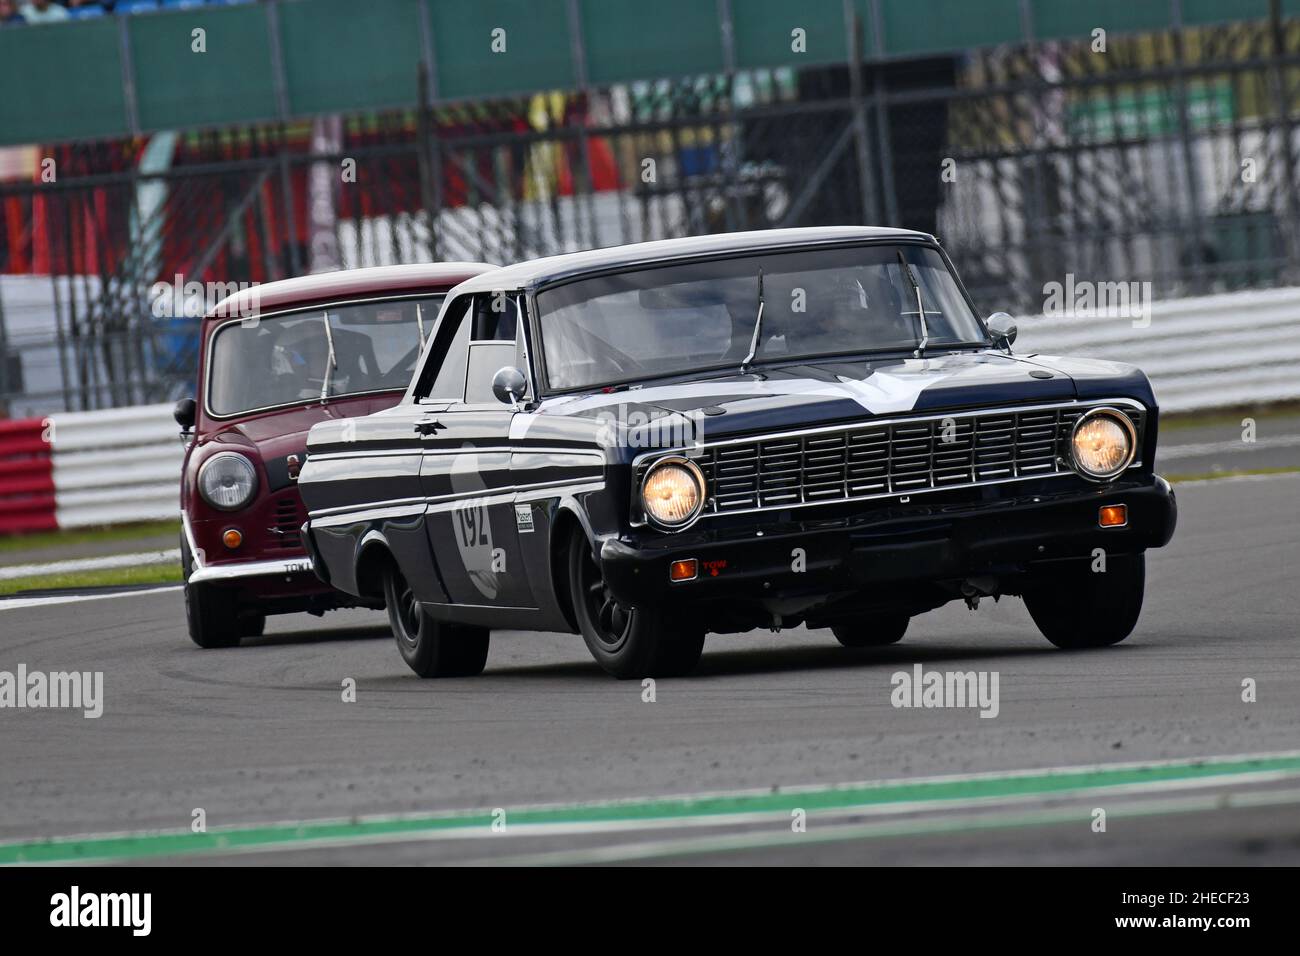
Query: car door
[[466, 469]]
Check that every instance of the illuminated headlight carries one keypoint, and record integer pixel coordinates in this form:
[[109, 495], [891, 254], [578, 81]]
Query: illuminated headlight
[[672, 492], [1103, 444], [227, 481]]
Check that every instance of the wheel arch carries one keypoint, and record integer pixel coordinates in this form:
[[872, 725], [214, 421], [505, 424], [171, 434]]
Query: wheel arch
[[374, 555], [569, 514]]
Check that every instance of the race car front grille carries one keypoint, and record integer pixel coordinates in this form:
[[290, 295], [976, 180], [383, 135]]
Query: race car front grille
[[897, 457]]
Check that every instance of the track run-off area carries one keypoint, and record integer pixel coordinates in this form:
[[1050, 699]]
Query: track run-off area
[[781, 748]]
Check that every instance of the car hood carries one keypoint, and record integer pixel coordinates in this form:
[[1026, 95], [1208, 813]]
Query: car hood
[[836, 391]]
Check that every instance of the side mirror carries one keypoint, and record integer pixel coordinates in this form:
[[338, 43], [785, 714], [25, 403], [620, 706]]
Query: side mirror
[[183, 412], [1003, 329], [509, 385]]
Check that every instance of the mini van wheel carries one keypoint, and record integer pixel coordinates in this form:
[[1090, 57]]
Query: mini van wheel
[[211, 617], [1076, 607], [431, 648], [627, 642]]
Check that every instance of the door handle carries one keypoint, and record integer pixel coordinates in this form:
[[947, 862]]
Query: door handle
[[428, 426]]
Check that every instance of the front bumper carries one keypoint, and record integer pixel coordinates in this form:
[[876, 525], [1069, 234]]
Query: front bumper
[[885, 547], [278, 571], [281, 568]]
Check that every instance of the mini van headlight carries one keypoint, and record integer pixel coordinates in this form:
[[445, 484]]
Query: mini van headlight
[[227, 481], [672, 492], [1103, 444]]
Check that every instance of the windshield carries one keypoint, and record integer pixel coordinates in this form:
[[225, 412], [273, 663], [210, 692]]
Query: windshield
[[279, 361], [693, 316]]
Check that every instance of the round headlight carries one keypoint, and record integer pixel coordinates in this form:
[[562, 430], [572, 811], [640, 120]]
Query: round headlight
[[672, 492], [227, 481], [1103, 444]]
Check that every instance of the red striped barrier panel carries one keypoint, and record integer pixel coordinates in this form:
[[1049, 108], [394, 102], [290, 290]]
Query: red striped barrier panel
[[27, 499]]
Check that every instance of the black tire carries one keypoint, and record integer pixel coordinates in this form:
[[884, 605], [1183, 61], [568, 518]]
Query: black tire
[[431, 648], [874, 630], [211, 616], [1076, 608], [627, 642], [252, 624]]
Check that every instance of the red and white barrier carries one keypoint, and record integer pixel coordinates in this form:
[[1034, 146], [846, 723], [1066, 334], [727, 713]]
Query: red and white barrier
[[75, 469], [27, 498]]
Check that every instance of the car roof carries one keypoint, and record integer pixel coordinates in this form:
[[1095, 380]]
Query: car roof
[[536, 272], [347, 283]]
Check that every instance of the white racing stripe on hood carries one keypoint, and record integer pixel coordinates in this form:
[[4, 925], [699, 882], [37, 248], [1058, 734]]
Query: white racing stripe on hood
[[880, 393]]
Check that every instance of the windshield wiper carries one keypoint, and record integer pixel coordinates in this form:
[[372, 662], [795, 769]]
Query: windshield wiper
[[920, 308], [333, 360], [758, 326]]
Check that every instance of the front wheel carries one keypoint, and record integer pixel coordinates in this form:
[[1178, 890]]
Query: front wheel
[[210, 615], [431, 648], [1076, 607], [627, 642]]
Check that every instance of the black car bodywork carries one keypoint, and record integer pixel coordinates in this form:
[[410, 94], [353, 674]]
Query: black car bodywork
[[844, 491]]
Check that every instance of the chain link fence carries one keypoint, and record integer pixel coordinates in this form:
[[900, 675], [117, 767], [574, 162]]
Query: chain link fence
[[1167, 158]]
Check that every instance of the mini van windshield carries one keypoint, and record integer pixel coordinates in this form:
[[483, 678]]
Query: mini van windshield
[[283, 360]]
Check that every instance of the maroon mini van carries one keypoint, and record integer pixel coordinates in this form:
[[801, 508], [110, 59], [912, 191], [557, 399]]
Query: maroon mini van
[[276, 359]]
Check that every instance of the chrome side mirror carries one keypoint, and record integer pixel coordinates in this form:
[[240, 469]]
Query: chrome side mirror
[[509, 385], [1003, 329]]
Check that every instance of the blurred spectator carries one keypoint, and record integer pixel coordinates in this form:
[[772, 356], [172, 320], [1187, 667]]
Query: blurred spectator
[[9, 13], [42, 11]]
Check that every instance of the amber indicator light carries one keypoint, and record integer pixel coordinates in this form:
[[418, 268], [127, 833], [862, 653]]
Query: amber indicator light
[[1113, 516], [684, 570], [232, 538]]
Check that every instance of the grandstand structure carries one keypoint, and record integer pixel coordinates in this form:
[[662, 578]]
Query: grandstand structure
[[236, 141]]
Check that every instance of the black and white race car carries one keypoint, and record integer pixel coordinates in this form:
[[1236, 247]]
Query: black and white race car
[[651, 442]]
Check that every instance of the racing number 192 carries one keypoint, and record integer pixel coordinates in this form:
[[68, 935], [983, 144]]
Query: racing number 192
[[472, 519]]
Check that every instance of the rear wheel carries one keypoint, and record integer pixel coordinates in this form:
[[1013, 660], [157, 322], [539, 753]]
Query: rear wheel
[[1076, 607], [431, 648], [627, 642], [874, 630]]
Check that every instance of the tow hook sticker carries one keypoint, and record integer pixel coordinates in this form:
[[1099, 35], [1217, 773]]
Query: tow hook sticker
[[524, 518]]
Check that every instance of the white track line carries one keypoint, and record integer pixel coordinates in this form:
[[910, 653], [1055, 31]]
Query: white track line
[[13, 604], [168, 556], [1193, 450]]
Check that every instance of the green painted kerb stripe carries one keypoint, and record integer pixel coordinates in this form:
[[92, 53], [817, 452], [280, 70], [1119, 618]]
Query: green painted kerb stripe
[[936, 791]]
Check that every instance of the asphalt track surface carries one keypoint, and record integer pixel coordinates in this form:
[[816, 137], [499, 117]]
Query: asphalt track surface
[[719, 768]]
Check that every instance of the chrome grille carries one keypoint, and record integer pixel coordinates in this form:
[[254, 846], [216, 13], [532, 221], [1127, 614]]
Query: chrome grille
[[890, 458]]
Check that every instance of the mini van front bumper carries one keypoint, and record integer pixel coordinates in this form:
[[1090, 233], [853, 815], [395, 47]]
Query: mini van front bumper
[[278, 568], [251, 569]]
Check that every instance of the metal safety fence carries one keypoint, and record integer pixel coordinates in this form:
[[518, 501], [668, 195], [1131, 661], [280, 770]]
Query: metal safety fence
[[1165, 160]]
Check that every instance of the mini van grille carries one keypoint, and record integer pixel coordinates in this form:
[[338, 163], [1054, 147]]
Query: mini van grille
[[892, 458], [288, 517]]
